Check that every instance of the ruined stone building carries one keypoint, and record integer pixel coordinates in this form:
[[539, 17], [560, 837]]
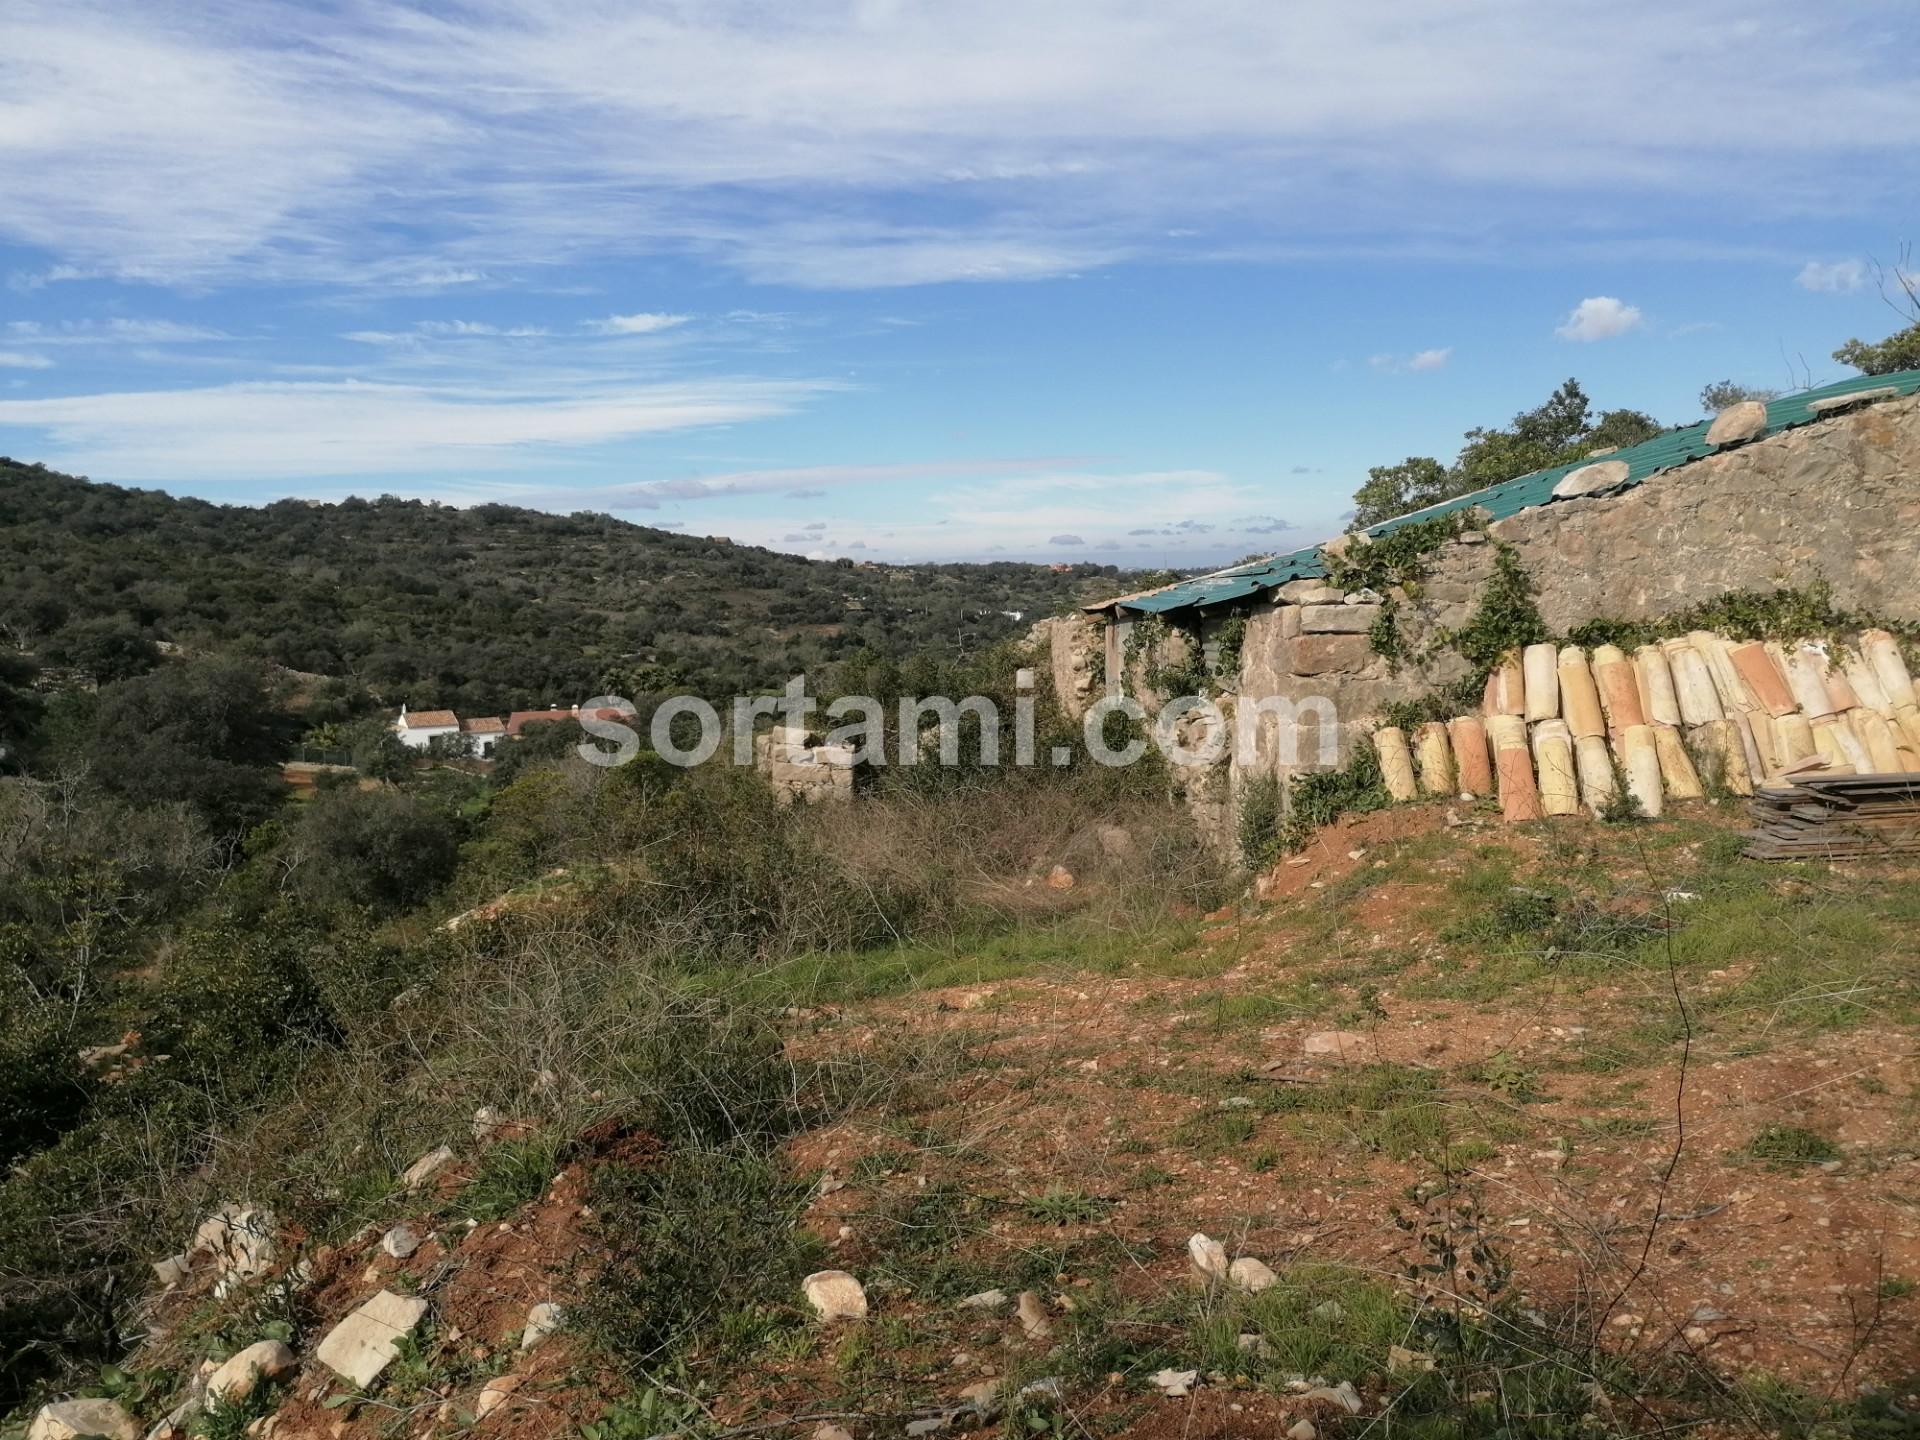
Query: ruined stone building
[[1819, 486]]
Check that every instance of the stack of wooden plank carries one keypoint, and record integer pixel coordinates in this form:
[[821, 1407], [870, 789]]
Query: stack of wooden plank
[[1836, 817]]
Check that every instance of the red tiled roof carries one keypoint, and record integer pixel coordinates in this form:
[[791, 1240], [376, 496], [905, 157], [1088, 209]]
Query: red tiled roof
[[429, 719], [485, 725], [519, 719]]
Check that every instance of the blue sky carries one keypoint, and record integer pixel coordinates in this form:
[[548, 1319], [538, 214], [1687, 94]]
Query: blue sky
[[1116, 281]]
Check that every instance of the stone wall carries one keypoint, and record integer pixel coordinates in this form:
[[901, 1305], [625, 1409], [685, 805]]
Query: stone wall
[[1072, 647], [1837, 500], [801, 769]]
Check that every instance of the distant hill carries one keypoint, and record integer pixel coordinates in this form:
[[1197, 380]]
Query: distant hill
[[482, 609]]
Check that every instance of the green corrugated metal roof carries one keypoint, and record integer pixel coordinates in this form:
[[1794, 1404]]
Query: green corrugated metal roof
[[1663, 452]]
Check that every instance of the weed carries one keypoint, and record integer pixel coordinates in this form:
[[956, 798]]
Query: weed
[[510, 1174], [1061, 1206], [1789, 1145]]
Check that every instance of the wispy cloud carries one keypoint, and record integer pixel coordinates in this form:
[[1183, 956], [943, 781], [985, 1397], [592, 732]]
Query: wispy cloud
[[317, 429], [409, 147], [644, 323], [116, 331], [1600, 317], [21, 360], [1420, 360]]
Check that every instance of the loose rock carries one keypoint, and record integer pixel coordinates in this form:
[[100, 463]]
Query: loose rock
[[71, 1419], [401, 1241], [1209, 1256], [426, 1167], [1174, 1383], [542, 1320], [243, 1371], [835, 1295], [494, 1394], [1251, 1275], [1034, 1323], [985, 1300], [365, 1343], [1343, 1395], [1303, 1430]]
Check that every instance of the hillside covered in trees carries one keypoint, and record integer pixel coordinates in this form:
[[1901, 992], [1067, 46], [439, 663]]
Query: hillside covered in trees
[[482, 609]]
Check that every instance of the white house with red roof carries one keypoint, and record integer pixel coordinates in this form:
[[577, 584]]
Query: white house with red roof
[[418, 729]]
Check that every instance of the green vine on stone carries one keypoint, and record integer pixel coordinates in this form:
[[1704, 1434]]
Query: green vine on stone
[[1507, 619]]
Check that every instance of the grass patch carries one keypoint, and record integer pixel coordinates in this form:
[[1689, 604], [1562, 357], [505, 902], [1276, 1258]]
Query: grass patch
[[1785, 1146], [511, 1174]]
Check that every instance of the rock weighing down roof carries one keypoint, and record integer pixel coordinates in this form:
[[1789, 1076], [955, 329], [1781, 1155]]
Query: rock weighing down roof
[[1590, 475]]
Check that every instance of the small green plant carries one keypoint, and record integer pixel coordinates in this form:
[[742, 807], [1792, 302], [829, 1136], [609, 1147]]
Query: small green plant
[[1061, 1206], [649, 1412], [1507, 618], [510, 1175], [1787, 1145]]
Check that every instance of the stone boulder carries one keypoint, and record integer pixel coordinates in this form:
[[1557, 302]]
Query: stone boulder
[[1589, 479], [71, 1419], [1252, 1275], [238, 1377], [835, 1295], [361, 1346], [1738, 424]]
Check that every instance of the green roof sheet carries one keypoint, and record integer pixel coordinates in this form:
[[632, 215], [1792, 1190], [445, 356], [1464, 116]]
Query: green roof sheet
[[1663, 452]]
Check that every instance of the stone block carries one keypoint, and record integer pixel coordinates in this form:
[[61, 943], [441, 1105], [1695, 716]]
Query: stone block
[[1338, 619], [1331, 655], [1309, 592]]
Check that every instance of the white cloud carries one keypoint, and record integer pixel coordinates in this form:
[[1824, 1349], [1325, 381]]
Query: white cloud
[[20, 360], [1600, 317], [644, 323], [1842, 277], [355, 428], [117, 331], [414, 147], [1420, 360]]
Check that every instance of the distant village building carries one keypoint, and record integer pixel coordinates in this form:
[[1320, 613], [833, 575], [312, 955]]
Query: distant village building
[[484, 734], [418, 729]]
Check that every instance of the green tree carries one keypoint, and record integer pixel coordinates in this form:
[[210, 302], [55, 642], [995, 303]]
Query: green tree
[[1560, 429], [1725, 394], [20, 709], [109, 648], [381, 850], [202, 732], [1899, 351], [1416, 482]]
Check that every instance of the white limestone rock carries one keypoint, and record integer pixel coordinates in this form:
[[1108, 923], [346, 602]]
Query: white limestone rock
[[542, 1320], [426, 1167], [241, 1373], [1209, 1256], [835, 1295], [71, 1419], [361, 1346], [1252, 1275]]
